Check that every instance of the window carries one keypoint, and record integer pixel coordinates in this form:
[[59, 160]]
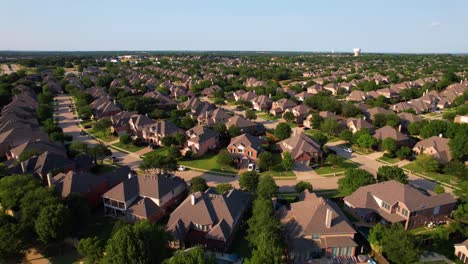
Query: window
[[436, 210], [232, 150], [240, 150], [386, 205], [250, 153], [404, 212]]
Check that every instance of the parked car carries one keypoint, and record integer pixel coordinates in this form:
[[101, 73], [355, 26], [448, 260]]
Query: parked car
[[181, 168], [349, 150]]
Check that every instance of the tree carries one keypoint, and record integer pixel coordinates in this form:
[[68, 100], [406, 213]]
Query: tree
[[389, 173], [224, 187], [32, 203], [265, 160], [196, 255], [288, 162], [282, 131], [404, 152], [353, 179], [99, 152], [379, 120], [10, 239], [335, 160], [91, 248], [289, 116], [433, 128], [320, 137], [28, 153], [140, 243], [250, 114], [224, 158], [173, 153], [267, 187], [79, 211], [125, 139], [302, 186], [439, 189], [316, 120], [52, 224], [367, 141], [389, 145], [103, 125], [393, 120], [77, 147], [268, 250], [459, 147], [346, 135], [414, 128], [397, 244], [198, 184], [249, 181], [458, 169], [13, 188], [44, 112], [330, 126], [350, 110], [427, 163], [167, 141]]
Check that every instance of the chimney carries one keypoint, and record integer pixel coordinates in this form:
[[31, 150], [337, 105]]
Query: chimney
[[192, 199], [50, 180], [328, 218]]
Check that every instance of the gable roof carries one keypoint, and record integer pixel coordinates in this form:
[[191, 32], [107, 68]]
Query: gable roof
[[299, 144], [440, 144], [390, 132], [246, 140]]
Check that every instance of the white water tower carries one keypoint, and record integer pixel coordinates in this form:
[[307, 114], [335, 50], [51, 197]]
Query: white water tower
[[356, 52]]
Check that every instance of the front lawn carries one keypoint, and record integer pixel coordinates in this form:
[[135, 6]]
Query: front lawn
[[128, 147], [385, 159], [99, 134], [208, 162], [277, 170], [328, 168], [158, 151], [267, 116], [446, 178]]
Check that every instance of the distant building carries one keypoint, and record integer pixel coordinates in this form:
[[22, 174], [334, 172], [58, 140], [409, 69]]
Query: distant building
[[357, 52]]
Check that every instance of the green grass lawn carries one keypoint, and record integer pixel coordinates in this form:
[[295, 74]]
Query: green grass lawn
[[208, 162], [160, 151], [267, 116], [277, 170], [128, 147], [99, 134], [446, 178], [388, 160], [327, 168], [87, 122]]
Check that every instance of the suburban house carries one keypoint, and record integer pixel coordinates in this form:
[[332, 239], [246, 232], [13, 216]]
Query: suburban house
[[314, 89], [303, 149], [261, 103], [461, 251], [376, 110], [208, 219], [356, 124], [211, 91], [104, 106], [278, 107], [316, 227], [213, 117], [436, 147], [302, 96], [138, 124], [245, 125], [461, 119], [45, 163], [357, 96], [395, 202], [200, 139], [121, 122], [300, 112], [391, 132], [90, 186], [332, 87], [37, 147], [242, 95], [245, 147], [146, 197], [19, 135], [154, 133], [408, 118]]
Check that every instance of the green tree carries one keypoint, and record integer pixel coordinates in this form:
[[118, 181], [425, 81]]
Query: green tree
[[283, 131], [379, 120], [224, 158], [289, 116], [99, 152], [433, 128], [335, 160], [234, 131], [125, 139], [103, 125], [198, 184], [427, 163], [196, 255], [140, 243], [13, 188], [10, 240], [287, 162], [249, 181], [267, 187], [330, 126], [32, 203], [265, 160], [459, 147], [353, 179], [389, 145], [52, 224], [224, 187], [458, 169], [316, 120], [439, 189], [91, 248], [393, 120], [346, 135], [302, 186], [404, 152], [320, 137], [367, 141], [350, 110], [250, 114], [389, 173], [77, 147]]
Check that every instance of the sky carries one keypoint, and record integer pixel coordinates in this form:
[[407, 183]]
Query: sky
[[401, 26]]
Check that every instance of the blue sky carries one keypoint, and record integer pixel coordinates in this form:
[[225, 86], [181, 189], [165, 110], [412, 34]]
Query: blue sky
[[411, 26]]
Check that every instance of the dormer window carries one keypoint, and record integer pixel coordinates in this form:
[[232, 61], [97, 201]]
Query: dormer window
[[386, 205]]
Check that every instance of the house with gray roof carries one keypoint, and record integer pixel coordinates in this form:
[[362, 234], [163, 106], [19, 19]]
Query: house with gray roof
[[144, 197], [208, 218], [200, 139], [391, 132], [303, 149], [435, 146], [394, 202], [316, 227]]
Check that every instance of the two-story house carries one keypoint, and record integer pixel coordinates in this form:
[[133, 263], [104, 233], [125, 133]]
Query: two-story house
[[437, 147], [246, 147], [200, 139], [395, 202], [303, 149]]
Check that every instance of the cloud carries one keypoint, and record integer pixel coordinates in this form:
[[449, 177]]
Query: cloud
[[435, 24]]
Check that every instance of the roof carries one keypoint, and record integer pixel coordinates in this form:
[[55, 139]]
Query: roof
[[358, 123], [246, 140], [393, 192], [143, 207], [40, 146], [390, 132], [200, 133], [440, 144], [240, 122], [152, 186], [221, 211], [299, 144]]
